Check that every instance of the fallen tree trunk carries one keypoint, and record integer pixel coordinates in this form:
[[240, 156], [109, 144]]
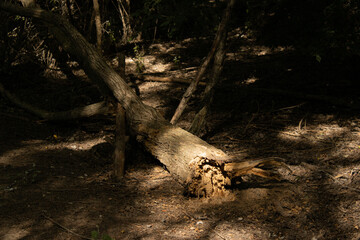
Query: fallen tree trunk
[[190, 160], [198, 166]]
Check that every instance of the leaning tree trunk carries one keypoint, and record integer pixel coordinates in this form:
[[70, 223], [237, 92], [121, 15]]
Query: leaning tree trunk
[[199, 119], [193, 85], [190, 160], [97, 24]]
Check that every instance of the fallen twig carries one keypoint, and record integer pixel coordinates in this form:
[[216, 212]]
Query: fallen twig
[[219, 235], [188, 215], [166, 79], [288, 108], [65, 228]]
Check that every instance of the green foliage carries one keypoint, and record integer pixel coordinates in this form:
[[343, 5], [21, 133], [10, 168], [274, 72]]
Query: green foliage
[[18, 39], [320, 28], [95, 235], [109, 30], [139, 58], [17, 18], [177, 60]]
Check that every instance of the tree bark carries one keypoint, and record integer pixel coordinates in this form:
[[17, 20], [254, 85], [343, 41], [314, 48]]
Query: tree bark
[[193, 162], [124, 11], [120, 130], [193, 85], [97, 24], [199, 119], [120, 143], [28, 3]]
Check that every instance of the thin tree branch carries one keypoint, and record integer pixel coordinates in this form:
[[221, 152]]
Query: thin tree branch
[[97, 24], [193, 85], [199, 119], [80, 112]]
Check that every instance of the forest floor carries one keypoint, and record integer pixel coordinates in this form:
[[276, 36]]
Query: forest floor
[[56, 181]]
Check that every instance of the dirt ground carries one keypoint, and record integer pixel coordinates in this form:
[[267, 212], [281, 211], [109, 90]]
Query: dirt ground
[[55, 177]]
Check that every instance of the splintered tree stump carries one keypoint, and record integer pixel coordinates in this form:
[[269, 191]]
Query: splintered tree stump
[[253, 167], [209, 179]]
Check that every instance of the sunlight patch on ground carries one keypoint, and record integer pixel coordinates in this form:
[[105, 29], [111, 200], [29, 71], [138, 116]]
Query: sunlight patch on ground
[[250, 80], [19, 156], [263, 50], [85, 145], [313, 134], [16, 232], [347, 175], [233, 231], [347, 216], [152, 92], [256, 51], [151, 63], [327, 141]]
